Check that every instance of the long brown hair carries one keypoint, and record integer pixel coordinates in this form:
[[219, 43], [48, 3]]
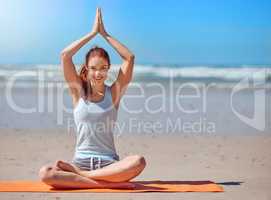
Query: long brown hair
[[94, 51]]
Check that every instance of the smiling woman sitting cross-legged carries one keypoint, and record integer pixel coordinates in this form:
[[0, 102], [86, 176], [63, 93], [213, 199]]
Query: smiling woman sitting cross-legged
[[95, 163]]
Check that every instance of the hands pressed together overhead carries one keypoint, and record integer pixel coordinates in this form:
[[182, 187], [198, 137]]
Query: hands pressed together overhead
[[98, 26], [126, 71]]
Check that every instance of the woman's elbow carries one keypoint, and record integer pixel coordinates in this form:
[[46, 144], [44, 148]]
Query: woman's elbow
[[131, 57], [65, 55]]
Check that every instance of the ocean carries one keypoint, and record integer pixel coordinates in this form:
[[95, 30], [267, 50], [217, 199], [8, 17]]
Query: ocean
[[29, 73]]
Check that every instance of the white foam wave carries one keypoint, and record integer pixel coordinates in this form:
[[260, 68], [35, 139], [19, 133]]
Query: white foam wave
[[55, 73]]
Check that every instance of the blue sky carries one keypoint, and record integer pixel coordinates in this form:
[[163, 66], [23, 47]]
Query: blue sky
[[162, 32]]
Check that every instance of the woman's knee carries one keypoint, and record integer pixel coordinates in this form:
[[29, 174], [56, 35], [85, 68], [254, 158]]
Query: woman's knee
[[138, 161]]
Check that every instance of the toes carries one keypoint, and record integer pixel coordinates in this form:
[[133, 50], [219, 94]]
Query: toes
[[59, 164]]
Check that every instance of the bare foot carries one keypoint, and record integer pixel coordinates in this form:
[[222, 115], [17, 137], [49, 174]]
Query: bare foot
[[66, 166]]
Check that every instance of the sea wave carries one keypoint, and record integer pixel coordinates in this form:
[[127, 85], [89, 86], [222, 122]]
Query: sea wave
[[143, 72]]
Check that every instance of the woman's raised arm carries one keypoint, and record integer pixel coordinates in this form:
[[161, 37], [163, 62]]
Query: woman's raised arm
[[70, 74], [126, 72]]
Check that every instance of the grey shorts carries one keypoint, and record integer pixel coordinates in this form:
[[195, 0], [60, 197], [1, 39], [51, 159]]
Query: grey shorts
[[94, 162]]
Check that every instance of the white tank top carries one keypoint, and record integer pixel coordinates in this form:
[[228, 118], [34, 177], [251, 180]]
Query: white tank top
[[95, 127]]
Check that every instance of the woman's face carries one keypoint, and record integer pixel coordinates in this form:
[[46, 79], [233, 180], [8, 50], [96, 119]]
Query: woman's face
[[97, 69]]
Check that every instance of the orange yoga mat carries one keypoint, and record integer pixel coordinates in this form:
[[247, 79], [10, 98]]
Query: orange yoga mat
[[141, 186]]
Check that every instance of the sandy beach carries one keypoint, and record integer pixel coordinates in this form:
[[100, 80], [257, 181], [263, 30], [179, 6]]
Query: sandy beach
[[241, 164]]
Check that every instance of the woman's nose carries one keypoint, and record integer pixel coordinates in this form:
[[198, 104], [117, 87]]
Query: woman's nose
[[98, 73]]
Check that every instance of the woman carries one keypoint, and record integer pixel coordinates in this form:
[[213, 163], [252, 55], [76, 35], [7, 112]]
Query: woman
[[95, 163]]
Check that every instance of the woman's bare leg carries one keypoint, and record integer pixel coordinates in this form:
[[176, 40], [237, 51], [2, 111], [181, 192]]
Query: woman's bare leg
[[123, 170], [57, 178]]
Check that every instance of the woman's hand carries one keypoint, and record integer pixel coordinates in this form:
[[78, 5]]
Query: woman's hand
[[95, 28], [102, 30]]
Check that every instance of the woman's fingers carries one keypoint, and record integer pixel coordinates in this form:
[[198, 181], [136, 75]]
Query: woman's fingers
[[100, 17], [97, 11], [100, 13], [101, 25], [97, 15], [95, 28]]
